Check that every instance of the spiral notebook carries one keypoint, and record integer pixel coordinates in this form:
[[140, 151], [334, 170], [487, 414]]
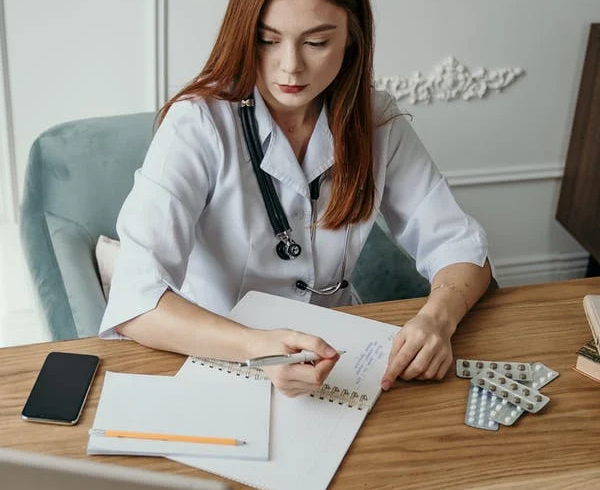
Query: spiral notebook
[[203, 406], [311, 434]]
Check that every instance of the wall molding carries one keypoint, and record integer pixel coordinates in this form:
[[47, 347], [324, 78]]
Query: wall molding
[[161, 22], [504, 175], [8, 167], [450, 80], [540, 268]]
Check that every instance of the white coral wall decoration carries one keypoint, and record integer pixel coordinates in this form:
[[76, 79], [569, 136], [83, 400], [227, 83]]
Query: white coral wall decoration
[[450, 81]]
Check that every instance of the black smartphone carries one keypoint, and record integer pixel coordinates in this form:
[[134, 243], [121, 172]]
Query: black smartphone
[[61, 388]]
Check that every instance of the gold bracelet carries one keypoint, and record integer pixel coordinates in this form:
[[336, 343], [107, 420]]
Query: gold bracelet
[[453, 287]]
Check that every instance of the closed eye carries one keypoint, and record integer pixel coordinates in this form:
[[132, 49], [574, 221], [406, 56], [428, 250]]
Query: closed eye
[[317, 44], [266, 42]]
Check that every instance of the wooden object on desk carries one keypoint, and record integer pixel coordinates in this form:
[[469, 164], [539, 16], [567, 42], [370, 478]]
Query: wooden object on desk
[[415, 436], [579, 202]]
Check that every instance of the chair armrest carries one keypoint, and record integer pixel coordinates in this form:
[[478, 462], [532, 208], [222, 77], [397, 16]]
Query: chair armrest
[[66, 276]]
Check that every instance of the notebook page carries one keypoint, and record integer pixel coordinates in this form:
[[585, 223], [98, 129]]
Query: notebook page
[[206, 405], [309, 436]]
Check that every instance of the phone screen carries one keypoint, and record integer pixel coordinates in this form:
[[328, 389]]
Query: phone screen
[[61, 388]]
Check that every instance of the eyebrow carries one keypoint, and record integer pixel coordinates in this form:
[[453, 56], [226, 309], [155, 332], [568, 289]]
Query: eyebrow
[[312, 30]]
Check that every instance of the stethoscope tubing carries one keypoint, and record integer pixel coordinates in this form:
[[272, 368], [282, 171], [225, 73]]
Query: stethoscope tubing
[[341, 284], [275, 211]]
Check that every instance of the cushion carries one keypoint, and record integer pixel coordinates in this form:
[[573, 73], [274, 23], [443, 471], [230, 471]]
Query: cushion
[[107, 250]]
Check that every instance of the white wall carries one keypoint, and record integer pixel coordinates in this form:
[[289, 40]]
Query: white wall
[[76, 59], [503, 155], [62, 60]]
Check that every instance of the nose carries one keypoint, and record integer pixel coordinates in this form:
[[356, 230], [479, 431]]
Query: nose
[[291, 59]]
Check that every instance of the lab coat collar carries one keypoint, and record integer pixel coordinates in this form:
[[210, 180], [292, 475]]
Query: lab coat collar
[[263, 117], [280, 161]]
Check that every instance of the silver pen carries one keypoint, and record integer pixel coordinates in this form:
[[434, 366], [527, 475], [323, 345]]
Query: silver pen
[[298, 357]]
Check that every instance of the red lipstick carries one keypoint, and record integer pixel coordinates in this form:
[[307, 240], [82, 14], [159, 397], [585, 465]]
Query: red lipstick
[[291, 89]]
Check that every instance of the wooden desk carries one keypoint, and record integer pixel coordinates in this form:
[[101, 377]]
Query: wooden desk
[[415, 436]]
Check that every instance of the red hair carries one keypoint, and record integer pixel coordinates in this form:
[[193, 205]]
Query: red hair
[[230, 74]]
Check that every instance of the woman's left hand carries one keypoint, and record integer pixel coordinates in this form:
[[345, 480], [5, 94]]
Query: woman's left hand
[[421, 350]]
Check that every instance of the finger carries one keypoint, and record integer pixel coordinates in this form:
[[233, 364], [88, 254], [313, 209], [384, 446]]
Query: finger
[[388, 378], [399, 341], [399, 362], [443, 369], [292, 377], [314, 344], [292, 393], [433, 368], [419, 364], [294, 386], [311, 374], [323, 368]]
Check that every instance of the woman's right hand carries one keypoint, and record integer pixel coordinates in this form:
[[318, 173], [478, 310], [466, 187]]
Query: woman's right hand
[[294, 379]]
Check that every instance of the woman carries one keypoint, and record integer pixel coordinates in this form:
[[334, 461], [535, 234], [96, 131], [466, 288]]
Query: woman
[[197, 234]]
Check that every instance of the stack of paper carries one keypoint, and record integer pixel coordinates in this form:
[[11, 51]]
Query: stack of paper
[[169, 407], [291, 443]]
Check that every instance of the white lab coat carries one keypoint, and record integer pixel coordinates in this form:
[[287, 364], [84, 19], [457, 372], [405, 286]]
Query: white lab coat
[[195, 221]]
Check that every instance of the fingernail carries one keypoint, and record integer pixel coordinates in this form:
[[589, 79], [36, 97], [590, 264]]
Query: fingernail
[[386, 385], [330, 352]]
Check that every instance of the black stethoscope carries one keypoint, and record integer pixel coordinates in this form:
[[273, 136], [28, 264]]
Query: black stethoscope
[[287, 248]]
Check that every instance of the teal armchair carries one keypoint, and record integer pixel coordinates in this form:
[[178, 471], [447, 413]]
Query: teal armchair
[[77, 178]]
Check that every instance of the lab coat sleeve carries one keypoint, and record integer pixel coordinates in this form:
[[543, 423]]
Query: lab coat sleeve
[[156, 225], [420, 210]]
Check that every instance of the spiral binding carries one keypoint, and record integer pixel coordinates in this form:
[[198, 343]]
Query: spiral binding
[[326, 392], [342, 397], [231, 368]]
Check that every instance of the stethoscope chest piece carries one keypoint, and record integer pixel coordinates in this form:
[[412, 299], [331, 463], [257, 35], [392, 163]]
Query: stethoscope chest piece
[[288, 250]]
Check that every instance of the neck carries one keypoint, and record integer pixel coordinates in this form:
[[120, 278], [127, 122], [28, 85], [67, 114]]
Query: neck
[[292, 120], [297, 118], [297, 124]]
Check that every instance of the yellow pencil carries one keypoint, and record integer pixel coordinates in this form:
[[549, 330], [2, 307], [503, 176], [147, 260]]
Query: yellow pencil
[[226, 441]]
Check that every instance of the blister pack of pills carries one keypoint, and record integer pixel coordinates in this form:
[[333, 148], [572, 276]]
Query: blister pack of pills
[[509, 389], [498, 394], [469, 368], [506, 413], [542, 375], [479, 406]]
